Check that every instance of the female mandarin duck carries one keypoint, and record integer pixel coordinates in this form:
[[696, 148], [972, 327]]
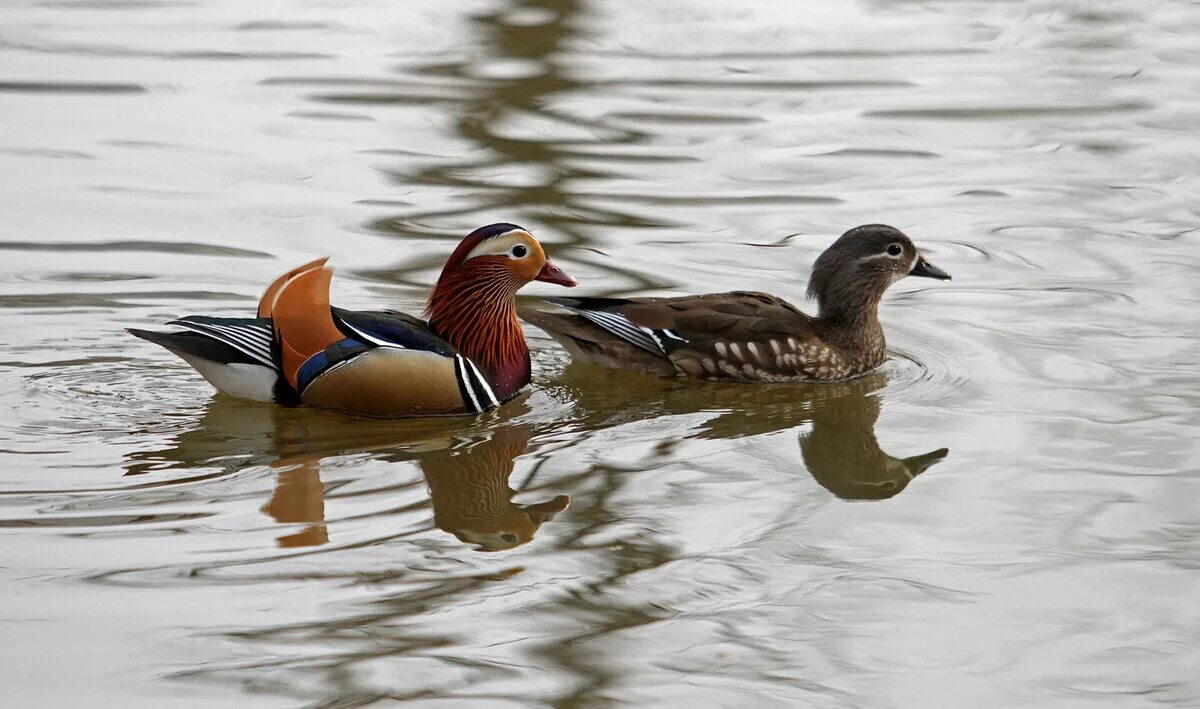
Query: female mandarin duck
[[750, 337], [469, 357]]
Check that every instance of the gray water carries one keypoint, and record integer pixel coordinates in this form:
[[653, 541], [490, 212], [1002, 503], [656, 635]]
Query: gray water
[[723, 545]]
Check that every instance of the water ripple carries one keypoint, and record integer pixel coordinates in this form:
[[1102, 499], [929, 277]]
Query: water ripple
[[976, 519]]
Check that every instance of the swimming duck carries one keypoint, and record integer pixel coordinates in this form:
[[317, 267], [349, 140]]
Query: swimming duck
[[745, 336], [470, 356]]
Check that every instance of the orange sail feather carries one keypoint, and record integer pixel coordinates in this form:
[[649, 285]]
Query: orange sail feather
[[303, 324], [267, 301]]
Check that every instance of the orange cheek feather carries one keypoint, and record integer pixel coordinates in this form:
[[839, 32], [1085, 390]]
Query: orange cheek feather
[[528, 268]]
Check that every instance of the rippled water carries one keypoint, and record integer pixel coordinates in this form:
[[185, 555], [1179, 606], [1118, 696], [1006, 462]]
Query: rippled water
[[608, 538]]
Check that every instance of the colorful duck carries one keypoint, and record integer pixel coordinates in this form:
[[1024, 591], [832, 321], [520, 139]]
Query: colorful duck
[[469, 357]]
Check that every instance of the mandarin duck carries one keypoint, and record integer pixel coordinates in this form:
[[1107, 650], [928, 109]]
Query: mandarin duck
[[747, 336], [470, 356]]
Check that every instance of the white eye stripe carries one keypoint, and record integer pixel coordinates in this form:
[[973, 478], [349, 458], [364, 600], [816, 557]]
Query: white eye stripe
[[502, 244], [886, 254]]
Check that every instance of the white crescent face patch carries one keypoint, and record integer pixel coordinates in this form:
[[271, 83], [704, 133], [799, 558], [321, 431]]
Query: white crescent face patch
[[506, 245]]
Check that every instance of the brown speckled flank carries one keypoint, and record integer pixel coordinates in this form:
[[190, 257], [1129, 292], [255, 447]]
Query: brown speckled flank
[[750, 337]]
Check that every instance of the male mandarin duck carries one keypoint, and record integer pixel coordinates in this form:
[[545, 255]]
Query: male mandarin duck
[[469, 357], [750, 337]]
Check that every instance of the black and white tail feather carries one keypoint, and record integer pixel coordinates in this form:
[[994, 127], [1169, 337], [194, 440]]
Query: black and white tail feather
[[235, 355], [253, 337]]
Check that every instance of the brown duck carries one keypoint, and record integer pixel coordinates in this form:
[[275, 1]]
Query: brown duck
[[745, 336]]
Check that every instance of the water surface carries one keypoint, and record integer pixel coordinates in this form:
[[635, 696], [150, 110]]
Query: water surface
[[1004, 515]]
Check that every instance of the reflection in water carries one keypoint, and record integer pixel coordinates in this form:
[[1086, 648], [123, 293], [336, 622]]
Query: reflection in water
[[841, 452], [528, 177], [300, 497], [839, 448], [466, 466], [471, 495]]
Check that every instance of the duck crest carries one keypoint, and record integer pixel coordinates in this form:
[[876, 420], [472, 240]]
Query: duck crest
[[473, 309]]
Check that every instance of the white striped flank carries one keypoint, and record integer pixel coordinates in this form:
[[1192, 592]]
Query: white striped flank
[[251, 339], [484, 387], [621, 326], [460, 371]]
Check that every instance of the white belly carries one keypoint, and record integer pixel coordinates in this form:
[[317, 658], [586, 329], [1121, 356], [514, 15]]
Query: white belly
[[246, 381]]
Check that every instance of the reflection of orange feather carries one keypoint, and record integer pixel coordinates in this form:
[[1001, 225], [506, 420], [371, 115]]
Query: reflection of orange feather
[[267, 302], [303, 325]]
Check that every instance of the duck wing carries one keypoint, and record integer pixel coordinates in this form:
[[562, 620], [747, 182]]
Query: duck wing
[[741, 335], [391, 328]]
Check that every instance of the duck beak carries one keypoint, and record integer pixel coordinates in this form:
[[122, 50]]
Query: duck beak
[[553, 274], [924, 269]]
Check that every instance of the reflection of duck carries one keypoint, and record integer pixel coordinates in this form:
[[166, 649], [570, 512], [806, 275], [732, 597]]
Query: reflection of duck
[[840, 449], [471, 495], [468, 481], [299, 497], [841, 452]]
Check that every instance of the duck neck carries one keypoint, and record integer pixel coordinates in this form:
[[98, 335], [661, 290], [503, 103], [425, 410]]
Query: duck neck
[[475, 312], [851, 324]]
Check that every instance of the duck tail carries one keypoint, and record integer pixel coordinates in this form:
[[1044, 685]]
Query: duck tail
[[234, 370], [172, 341]]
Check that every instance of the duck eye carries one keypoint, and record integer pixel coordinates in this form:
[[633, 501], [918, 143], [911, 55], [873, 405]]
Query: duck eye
[[895, 249], [519, 251]]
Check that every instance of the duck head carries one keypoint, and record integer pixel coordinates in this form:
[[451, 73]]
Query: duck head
[[472, 303], [852, 274], [503, 256]]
